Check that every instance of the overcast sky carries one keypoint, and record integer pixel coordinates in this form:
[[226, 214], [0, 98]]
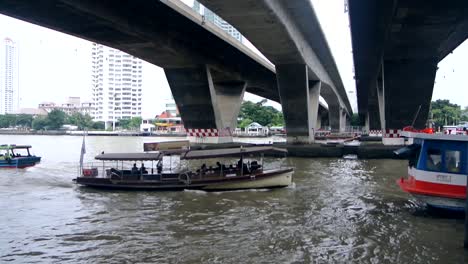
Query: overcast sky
[[53, 66]]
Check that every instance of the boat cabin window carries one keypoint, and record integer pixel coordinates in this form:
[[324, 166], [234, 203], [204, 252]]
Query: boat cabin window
[[434, 159], [452, 158]]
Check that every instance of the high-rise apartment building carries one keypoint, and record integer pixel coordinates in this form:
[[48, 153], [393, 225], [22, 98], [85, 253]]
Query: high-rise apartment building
[[117, 85], [9, 91], [215, 19]]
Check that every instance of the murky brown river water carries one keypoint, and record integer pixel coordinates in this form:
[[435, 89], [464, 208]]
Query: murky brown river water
[[338, 211]]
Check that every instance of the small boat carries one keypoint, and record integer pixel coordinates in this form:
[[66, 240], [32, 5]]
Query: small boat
[[242, 175], [14, 156], [437, 170]]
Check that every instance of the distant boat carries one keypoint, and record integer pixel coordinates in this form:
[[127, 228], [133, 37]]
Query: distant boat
[[13, 156], [438, 169], [222, 177]]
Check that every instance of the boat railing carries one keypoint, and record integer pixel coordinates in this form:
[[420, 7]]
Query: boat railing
[[184, 174]]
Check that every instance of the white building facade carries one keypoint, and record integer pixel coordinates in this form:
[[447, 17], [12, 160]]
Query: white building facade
[[116, 85], [73, 105], [9, 90], [218, 21]]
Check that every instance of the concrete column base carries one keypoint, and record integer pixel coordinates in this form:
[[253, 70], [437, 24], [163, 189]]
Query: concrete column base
[[209, 140], [209, 103], [300, 104], [393, 141]]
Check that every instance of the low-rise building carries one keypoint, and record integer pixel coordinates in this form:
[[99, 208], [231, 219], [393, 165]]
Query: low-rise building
[[73, 105]]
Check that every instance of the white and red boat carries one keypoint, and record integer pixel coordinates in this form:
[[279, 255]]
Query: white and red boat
[[438, 169]]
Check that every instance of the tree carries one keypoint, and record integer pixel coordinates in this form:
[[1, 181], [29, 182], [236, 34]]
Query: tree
[[24, 120], [124, 123], [464, 114], [135, 122], [98, 126], [445, 113], [355, 120], [264, 115], [81, 121], [10, 120], [40, 122], [56, 119], [245, 122], [6, 121]]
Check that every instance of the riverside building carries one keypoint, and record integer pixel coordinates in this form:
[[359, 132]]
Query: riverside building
[[116, 85], [9, 91]]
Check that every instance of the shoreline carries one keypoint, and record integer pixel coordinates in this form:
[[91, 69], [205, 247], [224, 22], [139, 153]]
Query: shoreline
[[367, 149]]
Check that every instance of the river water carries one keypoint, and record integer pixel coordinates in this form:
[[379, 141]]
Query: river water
[[337, 211]]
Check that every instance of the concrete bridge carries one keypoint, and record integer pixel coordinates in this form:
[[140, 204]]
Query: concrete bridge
[[209, 71], [397, 46], [289, 34]]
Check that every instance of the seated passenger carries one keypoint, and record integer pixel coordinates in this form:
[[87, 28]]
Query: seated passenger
[[159, 167], [134, 169], [452, 165], [143, 169], [431, 165]]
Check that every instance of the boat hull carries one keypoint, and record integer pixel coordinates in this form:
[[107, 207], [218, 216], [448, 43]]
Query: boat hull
[[274, 181], [271, 179], [436, 190], [20, 162]]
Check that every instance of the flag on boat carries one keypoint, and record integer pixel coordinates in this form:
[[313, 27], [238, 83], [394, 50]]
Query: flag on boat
[[83, 151]]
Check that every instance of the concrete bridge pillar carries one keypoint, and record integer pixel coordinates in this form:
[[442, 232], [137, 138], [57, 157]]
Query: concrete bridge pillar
[[300, 102], [404, 92], [337, 117], [208, 108]]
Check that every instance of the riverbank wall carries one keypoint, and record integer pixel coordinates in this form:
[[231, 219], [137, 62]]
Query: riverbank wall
[[366, 150]]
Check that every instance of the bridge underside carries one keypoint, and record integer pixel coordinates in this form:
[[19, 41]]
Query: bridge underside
[[396, 48], [208, 71]]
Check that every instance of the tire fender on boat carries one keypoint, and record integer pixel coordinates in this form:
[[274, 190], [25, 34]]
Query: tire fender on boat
[[185, 178]]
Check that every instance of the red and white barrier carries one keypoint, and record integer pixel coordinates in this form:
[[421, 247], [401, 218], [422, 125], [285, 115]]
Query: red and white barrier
[[375, 133], [209, 135], [392, 133], [200, 132], [393, 137]]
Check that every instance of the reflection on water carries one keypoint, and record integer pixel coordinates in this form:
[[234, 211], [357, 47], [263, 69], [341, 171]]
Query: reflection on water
[[338, 210]]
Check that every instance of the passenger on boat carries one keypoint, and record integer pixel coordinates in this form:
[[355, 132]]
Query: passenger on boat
[[431, 164], [254, 165], [143, 169], [159, 166], [134, 169], [221, 167], [452, 165], [242, 166]]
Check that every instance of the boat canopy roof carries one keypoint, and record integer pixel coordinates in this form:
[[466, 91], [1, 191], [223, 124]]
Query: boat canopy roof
[[229, 152], [435, 136], [130, 156], [190, 154], [4, 147]]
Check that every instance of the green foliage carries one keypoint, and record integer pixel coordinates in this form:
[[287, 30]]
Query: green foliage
[[56, 119], [40, 122], [464, 114], [10, 120], [356, 121], [83, 122], [124, 123], [98, 126], [445, 113], [245, 122], [135, 122], [264, 115]]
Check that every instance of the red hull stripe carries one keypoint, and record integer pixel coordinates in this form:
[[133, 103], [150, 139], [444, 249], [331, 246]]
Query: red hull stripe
[[411, 185]]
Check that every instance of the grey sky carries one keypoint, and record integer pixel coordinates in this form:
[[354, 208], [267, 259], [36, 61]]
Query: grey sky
[[54, 66]]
